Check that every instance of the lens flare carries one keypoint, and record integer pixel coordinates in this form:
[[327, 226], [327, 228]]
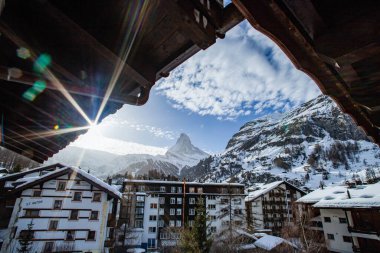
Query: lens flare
[[42, 63], [23, 53]]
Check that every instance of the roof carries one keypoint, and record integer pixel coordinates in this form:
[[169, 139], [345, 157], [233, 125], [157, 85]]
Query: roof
[[74, 64], [263, 189], [269, 242], [317, 195], [336, 43], [15, 176], [65, 170], [363, 196], [179, 182]]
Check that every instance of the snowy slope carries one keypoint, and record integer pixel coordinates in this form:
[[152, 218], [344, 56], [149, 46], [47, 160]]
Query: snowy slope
[[315, 142], [103, 164]]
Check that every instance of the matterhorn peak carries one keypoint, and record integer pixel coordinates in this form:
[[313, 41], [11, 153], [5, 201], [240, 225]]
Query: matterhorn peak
[[184, 146]]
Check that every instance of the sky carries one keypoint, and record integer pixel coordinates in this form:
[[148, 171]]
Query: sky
[[209, 97]]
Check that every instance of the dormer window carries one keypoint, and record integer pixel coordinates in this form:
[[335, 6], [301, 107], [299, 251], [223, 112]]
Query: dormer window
[[96, 197], [77, 196], [37, 193]]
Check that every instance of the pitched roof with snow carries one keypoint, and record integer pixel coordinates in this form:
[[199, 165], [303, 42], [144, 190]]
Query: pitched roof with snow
[[26, 172], [263, 189], [363, 196], [270, 242], [317, 195], [64, 170]]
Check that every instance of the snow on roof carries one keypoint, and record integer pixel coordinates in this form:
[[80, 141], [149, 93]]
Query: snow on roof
[[262, 190], [75, 170], [247, 246], [363, 196], [270, 242], [317, 195], [242, 232], [28, 171]]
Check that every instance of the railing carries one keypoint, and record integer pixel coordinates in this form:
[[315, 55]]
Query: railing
[[364, 230]]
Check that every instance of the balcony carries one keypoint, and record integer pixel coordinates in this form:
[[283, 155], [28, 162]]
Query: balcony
[[368, 232]]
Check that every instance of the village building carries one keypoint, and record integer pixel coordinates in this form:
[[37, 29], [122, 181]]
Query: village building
[[152, 212], [351, 219], [271, 206], [60, 208]]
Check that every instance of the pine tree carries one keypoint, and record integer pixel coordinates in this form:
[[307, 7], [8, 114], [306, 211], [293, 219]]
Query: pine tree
[[197, 238], [26, 240]]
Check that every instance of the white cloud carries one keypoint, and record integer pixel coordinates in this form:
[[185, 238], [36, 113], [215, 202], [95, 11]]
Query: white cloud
[[244, 74], [155, 131], [94, 140]]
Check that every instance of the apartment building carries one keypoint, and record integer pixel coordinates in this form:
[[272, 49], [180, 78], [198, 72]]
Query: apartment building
[[271, 206], [62, 209], [154, 211], [351, 218]]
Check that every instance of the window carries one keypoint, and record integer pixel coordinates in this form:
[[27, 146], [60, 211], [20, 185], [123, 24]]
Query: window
[[238, 211], [162, 189], [211, 197], [172, 189], [179, 212], [327, 219], [77, 181], [224, 201], [94, 215], [161, 211], [141, 188], [160, 223], [239, 223], [191, 223], [70, 235], [178, 223], [192, 211], [179, 189], [237, 201], [212, 229], [139, 210], [32, 213], [171, 223], [97, 197], [192, 201], [37, 193], [61, 186], [179, 201], [212, 217], [151, 243], [91, 235], [162, 200], [191, 190], [77, 196], [172, 211], [49, 246], [53, 225], [153, 205], [330, 236], [140, 198], [73, 215], [152, 217], [26, 234], [139, 224], [152, 230], [347, 238], [172, 201], [342, 220], [200, 190], [211, 207], [57, 204]]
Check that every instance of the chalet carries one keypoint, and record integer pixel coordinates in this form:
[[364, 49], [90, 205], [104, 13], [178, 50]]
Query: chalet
[[155, 210], [351, 219], [64, 209], [270, 206]]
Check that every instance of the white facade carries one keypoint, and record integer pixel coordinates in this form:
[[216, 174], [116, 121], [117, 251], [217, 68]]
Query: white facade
[[60, 221], [335, 229]]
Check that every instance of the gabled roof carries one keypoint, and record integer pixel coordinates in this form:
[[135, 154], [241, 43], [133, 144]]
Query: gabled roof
[[65, 170], [317, 195], [267, 188], [270, 242], [15, 176]]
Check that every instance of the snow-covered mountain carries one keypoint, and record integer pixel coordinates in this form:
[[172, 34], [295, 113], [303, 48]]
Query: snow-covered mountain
[[102, 164], [313, 143]]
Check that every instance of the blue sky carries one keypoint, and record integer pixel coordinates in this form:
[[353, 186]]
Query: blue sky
[[209, 97]]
